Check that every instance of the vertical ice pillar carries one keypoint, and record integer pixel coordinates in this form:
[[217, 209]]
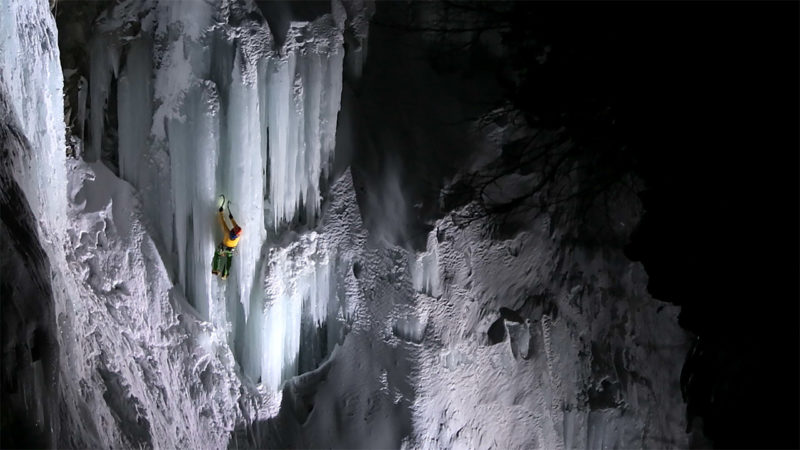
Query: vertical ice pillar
[[199, 282], [282, 120], [301, 100], [299, 295], [243, 179], [169, 144], [306, 87], [281, 328], [180, 59], [194, 150], [425, 275], [168, 134]]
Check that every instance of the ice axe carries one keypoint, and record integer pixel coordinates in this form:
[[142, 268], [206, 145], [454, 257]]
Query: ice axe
[[221, 202], [230, 215]]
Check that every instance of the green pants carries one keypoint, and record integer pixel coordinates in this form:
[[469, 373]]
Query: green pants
[[221, 264]]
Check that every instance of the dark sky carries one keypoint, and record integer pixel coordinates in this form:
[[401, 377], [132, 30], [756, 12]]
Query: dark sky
[[716, 128]]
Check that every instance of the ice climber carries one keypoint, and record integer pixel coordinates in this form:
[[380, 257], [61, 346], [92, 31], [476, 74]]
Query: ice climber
[[223, 256]]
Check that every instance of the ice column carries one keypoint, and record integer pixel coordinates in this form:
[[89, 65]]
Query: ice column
[[305, 88], [194, 146], [243, 179], [299, 290], [425, 275]]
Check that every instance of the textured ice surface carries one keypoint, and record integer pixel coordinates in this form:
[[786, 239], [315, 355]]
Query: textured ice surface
[[540, 344], [135, 366], [206, 107], [530, 342], [166, 379], [34, 208], [30, 72]]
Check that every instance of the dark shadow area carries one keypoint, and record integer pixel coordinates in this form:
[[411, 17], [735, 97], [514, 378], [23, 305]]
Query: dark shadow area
[[29, 369], [285, 430], [698, 100], [410, 125], [74, 22], [279, 13], [314, 347], [701, 102], [713, 128]]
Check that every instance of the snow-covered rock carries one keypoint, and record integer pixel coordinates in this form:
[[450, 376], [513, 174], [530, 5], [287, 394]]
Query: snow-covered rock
[[537, 343]]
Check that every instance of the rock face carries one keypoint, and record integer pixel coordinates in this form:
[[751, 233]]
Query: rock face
[[74, 21], [539, 343], [30, 353], [33, 177]]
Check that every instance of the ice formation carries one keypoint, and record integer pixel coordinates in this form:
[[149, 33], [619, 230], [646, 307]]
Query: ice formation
[[129, 348], [218, 110], [30, 72], [194, 111], [299, 290]]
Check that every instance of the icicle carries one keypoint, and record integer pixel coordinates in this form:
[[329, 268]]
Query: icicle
[[243, 179], [426, 269], [306, 96], [280, 117], [194, 146], [300, 294]]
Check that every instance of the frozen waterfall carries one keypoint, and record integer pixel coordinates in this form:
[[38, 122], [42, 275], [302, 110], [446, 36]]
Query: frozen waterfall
[[215, 110], [300, 291], [325, 334], [304, 93]]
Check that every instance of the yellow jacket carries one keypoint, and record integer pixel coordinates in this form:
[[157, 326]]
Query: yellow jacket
[[226, 239]]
